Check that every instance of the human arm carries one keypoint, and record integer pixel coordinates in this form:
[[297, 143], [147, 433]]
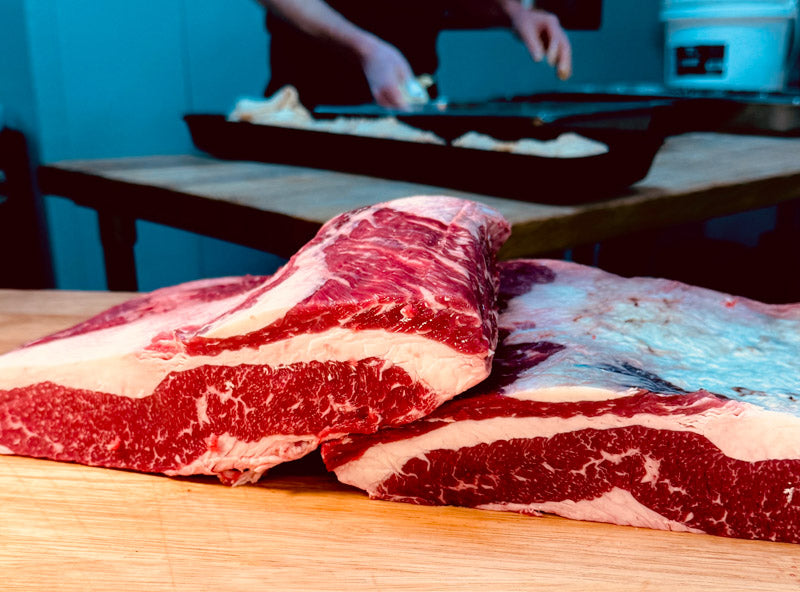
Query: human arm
[[539, 30], [386, 70], [541, 33]]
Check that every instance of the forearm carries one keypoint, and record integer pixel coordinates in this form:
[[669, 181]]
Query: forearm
[[511, 9], [317, 19]]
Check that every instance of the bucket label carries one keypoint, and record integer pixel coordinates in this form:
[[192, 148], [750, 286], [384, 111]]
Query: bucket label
[[705, 60]]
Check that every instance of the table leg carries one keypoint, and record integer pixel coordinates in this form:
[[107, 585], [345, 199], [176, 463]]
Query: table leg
[[118, 235]]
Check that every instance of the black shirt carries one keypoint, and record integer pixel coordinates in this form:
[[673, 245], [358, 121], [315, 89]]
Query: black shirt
[[325, 74]]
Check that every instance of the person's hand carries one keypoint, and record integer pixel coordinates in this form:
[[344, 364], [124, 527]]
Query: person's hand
[[387, 73], [542, 34]]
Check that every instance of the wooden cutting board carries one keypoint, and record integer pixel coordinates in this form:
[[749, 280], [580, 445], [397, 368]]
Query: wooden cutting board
[[74, 528]]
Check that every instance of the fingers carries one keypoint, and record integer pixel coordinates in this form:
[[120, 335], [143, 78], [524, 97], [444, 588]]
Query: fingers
[[386, 71], [559, 52], [554, 45], [545, 39], [390, 97], [564, 63], [533, 41], [389, 89]]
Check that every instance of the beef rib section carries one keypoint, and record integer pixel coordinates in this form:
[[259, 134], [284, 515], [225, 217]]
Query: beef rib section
[[388, 312], [636, 401]]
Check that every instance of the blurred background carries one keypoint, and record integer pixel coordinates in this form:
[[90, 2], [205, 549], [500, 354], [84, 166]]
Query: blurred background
[[86, 79]]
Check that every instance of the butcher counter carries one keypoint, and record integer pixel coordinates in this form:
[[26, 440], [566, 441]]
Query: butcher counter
[[277, 208], [73, 528]]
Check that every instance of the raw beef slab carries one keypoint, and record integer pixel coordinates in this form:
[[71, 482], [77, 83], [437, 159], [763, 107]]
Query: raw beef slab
[[388, 312], [632, 401]]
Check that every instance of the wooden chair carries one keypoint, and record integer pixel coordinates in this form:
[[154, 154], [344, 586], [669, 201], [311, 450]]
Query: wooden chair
[[25, 258]]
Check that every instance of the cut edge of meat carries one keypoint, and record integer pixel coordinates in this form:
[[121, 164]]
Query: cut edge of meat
[[715, 421], [221, 422], [559, 463], [605, 448]]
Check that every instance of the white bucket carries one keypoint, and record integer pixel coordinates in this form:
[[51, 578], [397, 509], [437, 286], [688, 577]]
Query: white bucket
[[729, 44]]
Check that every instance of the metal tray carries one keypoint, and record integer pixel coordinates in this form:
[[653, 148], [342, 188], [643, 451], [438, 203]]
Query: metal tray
[[515, 176]]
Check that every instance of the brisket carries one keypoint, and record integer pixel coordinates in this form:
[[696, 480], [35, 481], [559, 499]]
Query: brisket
[[388, 312], [637, 401]]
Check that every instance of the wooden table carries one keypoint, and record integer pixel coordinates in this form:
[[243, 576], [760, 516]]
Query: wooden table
[[278, 208], [71, 528]]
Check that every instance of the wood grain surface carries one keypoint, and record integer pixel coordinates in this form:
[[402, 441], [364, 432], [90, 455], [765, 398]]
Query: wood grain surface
[[66, 527], [278, 207]]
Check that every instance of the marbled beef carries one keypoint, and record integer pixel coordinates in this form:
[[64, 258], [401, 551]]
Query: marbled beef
[[385, 314], [632, 401]]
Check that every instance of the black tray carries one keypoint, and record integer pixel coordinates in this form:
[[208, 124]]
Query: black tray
[[541, 116], [522, 177]]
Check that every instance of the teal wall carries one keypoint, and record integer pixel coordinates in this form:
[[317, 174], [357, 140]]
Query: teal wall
[[98, 78], [106, 78], [16, 79]]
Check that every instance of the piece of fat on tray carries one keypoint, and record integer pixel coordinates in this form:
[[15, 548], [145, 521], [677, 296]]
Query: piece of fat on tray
[[284, 109], [565, 145]]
